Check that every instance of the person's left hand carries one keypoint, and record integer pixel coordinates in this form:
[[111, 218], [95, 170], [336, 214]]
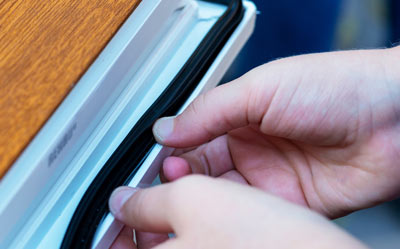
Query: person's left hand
[[216, 213]]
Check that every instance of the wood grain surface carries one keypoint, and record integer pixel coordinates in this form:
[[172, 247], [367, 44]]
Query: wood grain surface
[[45, 47]]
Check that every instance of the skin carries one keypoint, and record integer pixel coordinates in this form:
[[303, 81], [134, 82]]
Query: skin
[[218, 213], [320, 130]]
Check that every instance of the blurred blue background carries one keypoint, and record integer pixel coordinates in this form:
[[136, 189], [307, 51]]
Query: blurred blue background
[[289, 27]]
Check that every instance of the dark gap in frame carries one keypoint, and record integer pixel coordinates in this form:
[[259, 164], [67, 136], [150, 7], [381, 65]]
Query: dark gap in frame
[[131, 153]]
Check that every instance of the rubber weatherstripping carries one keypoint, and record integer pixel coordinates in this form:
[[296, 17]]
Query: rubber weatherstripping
[[130, 154]]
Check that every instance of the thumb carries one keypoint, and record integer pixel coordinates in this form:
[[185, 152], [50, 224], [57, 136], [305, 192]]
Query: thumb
[[142, 209], [210, 115]]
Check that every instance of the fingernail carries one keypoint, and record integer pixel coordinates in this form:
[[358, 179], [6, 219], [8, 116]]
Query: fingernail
[[118, 198], [163, 128]]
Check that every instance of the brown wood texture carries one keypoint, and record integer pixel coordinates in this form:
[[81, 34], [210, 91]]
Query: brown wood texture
[[45, 47]]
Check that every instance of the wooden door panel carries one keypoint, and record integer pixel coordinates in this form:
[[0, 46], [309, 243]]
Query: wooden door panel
[[45, 47]]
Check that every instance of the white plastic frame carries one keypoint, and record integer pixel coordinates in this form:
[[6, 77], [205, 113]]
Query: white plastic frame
[[110, 227], [62, 122]]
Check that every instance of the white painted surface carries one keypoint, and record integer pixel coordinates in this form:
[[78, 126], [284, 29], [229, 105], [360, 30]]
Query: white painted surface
[[40, 201]]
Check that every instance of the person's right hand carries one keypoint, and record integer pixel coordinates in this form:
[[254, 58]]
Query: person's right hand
[[321, 130]]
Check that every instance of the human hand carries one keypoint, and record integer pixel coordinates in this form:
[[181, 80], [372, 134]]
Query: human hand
[[216, 213], [321, 130]]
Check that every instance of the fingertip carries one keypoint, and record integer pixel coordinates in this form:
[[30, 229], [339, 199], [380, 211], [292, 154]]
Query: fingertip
[[163, 129], [175, 168], [118, 198], [145, 210]]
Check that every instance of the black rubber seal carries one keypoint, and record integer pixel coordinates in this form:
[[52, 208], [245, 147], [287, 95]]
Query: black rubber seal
[[128, 157]]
